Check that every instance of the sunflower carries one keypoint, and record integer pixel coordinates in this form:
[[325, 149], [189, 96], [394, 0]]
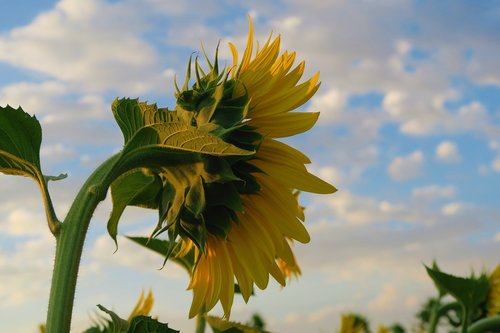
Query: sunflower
[[493, 303], [251, 218]]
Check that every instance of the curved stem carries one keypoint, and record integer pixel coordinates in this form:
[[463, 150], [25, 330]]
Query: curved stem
[[70, 240], [52, 220], [71, 233], [491, 324]]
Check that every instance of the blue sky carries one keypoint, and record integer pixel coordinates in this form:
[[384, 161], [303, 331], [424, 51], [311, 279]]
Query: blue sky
[[409, 132]]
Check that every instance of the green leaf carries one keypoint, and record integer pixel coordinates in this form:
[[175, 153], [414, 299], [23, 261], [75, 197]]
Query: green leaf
[[442, 292], [132, 189], [55, 178], [470, 292], [178, 136], [220, 325], [119, 325], [139, 324], [143, 324], [162, 247], [20, 140], [132, 115]]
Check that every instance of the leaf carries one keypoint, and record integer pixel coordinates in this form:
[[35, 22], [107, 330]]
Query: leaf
[[132, 115], [119, 325], [442, 292], [132, 189], [143, 324], [220, 325], [139, 324], [470, 292], [55, 178], [180, 137], [20, 140]]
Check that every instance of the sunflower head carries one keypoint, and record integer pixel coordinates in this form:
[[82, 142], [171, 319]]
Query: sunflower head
[[235, 211]]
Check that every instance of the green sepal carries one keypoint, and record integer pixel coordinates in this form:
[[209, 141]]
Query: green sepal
[[224, 194], [249, 184], [218, 170], [220, 325], [219, 220], [231, 111], [134, 188], [162, 247], [195, 198], [193, 228], [470, 292]]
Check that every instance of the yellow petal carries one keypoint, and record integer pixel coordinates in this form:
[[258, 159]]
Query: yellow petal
[[248, 51], [274, 151], [295, 178], [282, 214], [282, 100], [199, 291], [287, 124]]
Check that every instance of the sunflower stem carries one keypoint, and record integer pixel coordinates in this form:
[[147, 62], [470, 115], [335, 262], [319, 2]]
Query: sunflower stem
[[69, 245], [201, 321]]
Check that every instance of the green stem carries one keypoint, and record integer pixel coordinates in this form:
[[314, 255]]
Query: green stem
[[52, 220], [465, 319], [491, 324], [201, 321], [70, 240], [439, 311], [435, 316], [70, 235]]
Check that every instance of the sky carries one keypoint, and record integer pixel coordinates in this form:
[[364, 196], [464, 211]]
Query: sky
[[409, 132]]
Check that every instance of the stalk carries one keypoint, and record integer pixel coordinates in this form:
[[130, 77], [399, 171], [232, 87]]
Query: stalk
[[69, 245], [465, 319], [201, 321], [435, 315]]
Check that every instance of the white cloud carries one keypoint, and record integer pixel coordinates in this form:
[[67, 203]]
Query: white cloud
[[407, 167], [289, 24], [394, 102], [24, 222], [433, 192], [447, 151], [321, 314], [387, 299], [56, 151], [26, 271], [452, 209], [78, 43], [83, 121], [497, 237], [133, 256], [495, 165], [331, 105]]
